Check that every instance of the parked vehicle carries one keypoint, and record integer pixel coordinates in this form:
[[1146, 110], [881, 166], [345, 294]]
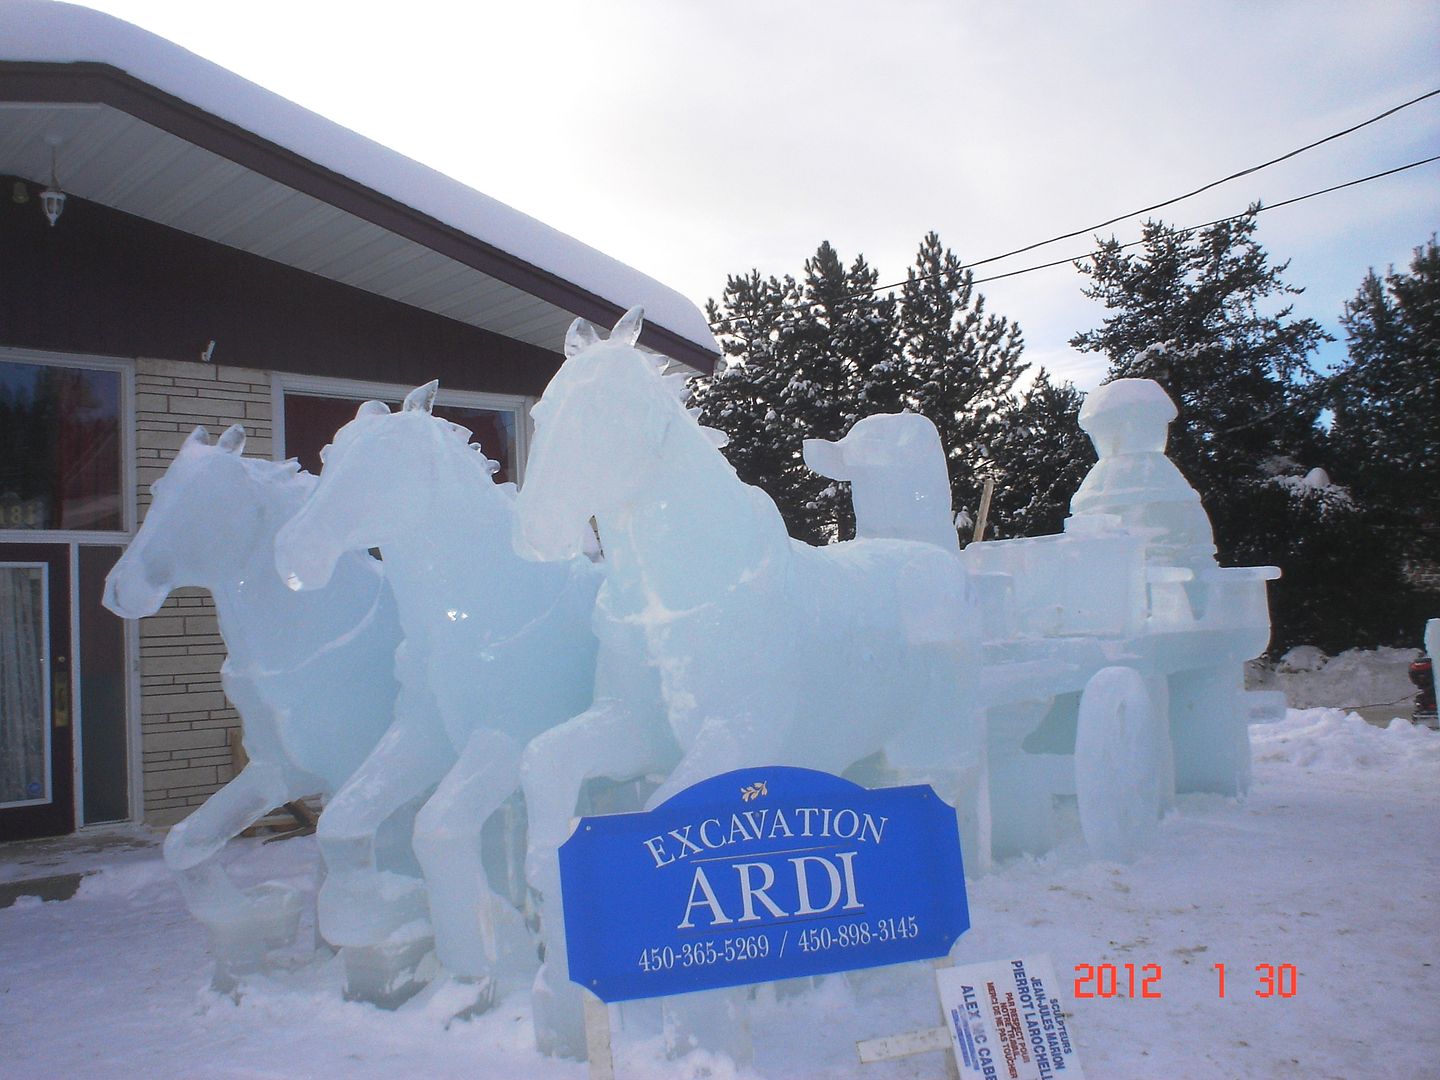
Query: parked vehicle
[[1422, 675]]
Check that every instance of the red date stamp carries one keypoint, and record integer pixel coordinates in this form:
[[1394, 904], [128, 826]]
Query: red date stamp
[[1117, 980], [1142, 981]]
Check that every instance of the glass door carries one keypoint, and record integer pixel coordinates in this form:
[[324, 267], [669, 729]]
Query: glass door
[[36, 754]]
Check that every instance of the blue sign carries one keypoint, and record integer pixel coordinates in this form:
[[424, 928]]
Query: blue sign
[[758, 875]]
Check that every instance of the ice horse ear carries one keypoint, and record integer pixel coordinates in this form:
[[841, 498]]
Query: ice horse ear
[[627, 330], [422, 397], [232, 441], [825, 458], [198, 437], [373, 408], [581, 335]]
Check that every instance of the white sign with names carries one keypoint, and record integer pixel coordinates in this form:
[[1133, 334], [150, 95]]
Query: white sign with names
[[1006, 1021]]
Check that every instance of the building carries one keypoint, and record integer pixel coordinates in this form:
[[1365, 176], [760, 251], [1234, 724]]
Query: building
[[180, 247]]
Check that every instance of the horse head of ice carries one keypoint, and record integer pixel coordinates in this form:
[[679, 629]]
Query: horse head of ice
[[605, 384], [899, 483], [366, 495], [1127, 416], [205, 516]]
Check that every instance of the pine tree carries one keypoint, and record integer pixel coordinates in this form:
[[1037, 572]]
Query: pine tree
[[744, 397], [851, 336], [962, 364], [1193, 310], [1039, 455], [797, 356], [807, 358], [1189, 311], [1386, 433], [1342, 586]]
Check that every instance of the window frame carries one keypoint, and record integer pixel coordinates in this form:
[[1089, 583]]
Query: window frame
[[282, 383], [128, 524]]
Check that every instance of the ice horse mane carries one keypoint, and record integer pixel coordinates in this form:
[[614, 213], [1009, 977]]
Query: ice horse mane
[[280, 474]]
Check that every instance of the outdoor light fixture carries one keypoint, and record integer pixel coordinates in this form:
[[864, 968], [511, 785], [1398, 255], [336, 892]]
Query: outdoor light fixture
[[52, 199]]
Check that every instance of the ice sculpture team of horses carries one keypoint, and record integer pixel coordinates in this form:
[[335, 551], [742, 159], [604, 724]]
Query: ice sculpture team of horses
[[484, 655]]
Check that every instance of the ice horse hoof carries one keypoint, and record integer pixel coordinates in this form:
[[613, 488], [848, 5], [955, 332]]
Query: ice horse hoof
[[559, 1016], [389, 974], [486, 993], [268, 919], [714, 1021], [277, 912]]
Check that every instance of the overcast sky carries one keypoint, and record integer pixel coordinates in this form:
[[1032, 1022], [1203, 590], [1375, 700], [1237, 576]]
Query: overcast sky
[[695, 140]]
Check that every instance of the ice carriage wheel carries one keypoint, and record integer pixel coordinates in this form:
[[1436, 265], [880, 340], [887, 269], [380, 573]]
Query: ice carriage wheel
[[1120, 764]]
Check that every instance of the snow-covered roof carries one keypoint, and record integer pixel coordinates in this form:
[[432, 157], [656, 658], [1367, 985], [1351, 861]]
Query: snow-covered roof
[[509, 249]]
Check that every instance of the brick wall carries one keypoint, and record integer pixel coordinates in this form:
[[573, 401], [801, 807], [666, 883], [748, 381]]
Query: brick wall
[[185, 720]]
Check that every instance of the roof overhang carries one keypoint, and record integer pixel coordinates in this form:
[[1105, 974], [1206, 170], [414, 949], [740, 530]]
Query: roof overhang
[[127, 144]]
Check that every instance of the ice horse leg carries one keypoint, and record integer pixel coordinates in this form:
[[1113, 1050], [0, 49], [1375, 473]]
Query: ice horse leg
[[376, 913], [1021, 797], [607, 740], [243, 924], [360, 903], [718, 1021], [479, 936]]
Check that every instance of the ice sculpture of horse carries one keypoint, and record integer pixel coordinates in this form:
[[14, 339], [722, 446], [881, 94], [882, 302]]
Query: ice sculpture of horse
[[768, 651], [309, 674], [496, 650]]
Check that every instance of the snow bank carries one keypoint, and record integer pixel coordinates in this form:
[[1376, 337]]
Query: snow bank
[[1355, 679], [1334, 741], [126, 881]]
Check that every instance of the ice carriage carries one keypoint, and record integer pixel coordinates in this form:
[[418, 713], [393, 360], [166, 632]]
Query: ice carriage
[[1112, 656], [1114, 678], [1112, 663]]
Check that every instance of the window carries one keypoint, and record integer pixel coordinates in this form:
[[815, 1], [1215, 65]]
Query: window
[[61, 462], [313, 410], [24, 685]]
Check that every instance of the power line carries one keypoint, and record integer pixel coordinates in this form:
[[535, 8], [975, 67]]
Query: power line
[[1145, 210], [1258, 209], [1224, 179]]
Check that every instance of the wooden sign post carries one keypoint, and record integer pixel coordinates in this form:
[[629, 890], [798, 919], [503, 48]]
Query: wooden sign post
[[912, 1042], [597, 1038]]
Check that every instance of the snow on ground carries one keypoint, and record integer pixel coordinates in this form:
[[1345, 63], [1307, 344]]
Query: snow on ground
[[1329, 865]]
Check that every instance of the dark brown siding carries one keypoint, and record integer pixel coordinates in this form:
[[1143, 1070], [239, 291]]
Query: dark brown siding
[[109, 283]]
